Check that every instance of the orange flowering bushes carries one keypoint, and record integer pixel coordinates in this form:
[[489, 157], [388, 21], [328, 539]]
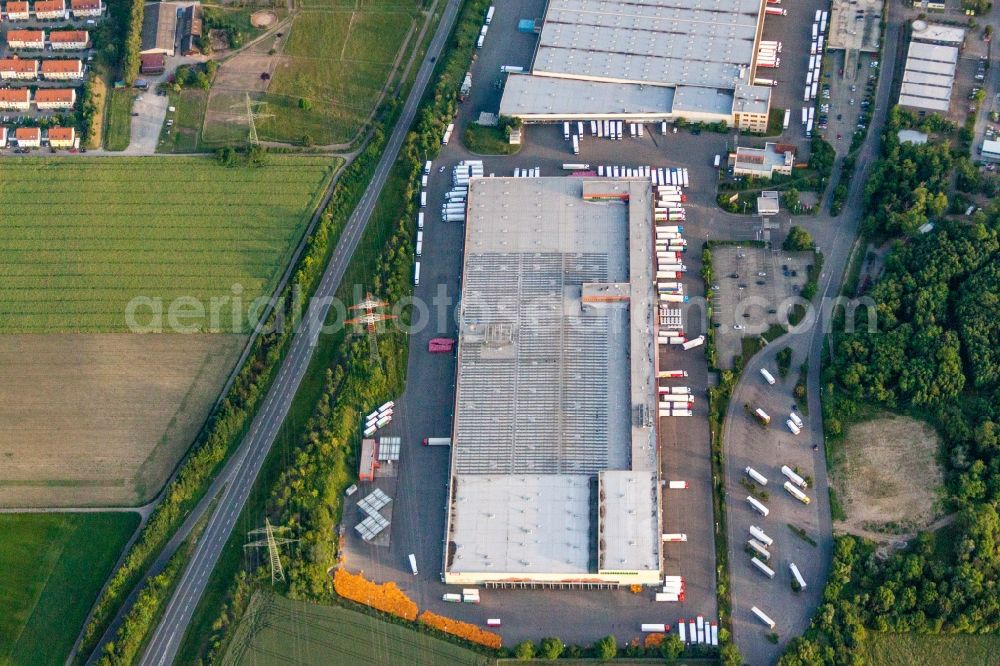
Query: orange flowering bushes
[[469, 632], [386, 597]]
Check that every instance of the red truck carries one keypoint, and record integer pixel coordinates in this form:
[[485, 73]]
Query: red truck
[[440, 345]]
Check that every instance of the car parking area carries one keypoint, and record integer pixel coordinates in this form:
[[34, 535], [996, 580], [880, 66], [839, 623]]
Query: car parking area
[[846, 97], [753, 289]]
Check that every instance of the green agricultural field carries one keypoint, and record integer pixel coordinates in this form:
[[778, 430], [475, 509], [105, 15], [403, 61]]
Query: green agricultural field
[[276, 630], [81, 239], [51, 568], [940, 650]]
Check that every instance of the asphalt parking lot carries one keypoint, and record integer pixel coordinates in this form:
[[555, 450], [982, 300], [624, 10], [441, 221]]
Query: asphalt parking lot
[[766, 450], [426, 407], [758, 296]]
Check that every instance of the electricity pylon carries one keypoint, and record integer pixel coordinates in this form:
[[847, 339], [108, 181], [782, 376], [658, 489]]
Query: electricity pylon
[[271, 542], [370, 320]]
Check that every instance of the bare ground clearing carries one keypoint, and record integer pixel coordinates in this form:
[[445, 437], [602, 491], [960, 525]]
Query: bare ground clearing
[[101, 419], [888, 476]]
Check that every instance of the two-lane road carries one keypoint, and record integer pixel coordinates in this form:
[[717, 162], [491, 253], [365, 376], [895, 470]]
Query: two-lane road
[[242, 470]]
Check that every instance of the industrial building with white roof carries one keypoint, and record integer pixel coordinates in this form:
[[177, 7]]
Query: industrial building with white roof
[[554, 467], [644, 60], [931, 63]]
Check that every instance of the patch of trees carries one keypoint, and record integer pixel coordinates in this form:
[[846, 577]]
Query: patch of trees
[[907, 186], [798, 240], [933, 354]]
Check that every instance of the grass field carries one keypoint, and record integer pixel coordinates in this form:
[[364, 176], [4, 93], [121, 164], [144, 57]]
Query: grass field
[[185, 136], [276, 630], [81, 238], [101, 419], [51, 568], [326, 74], [488, 141], [909, 649], [118, 131]]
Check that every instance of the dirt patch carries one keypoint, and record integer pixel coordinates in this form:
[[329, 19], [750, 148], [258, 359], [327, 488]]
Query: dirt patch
[[219, 40], [888, 476], [263, 19], [99, 419]]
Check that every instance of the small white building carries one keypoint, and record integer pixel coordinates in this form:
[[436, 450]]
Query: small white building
[[49, 99], [86, 8], [17, 11], [3, 137], [62, 70], [33, 40], [61, 137], [17, 69], [48, 10], [28, 137], [763, 162], [991, 151], [15, 99], [69, 40]]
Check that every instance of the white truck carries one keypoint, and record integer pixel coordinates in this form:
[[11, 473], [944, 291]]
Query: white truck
[[798, 577], [511, 69], [795, 419], [759, 548], [793, 477], [757, 506], [437, 441], [763, 568], [796, 493], [489, 14], [416, 274], [762, 617], [794, 428], [652, 627], [762, 417], [787, 120], [756, 476], [695, 342], [768, 377], [759, 534], [413, 563]]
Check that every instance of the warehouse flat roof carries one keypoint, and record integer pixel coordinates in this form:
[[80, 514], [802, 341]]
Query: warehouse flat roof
[[855, 25], [544, 95], [699, 44], [629, 532], [937, 33], [660, 42], [529, 524], [929, 76], [548, 385]]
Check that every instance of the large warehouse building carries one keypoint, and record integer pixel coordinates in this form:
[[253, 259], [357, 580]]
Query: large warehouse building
[[644, 60], [554, 461]]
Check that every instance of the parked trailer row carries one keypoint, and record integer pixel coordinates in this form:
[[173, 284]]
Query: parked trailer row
[[759, 548], [756, 476], [757, 506], [763, 568]]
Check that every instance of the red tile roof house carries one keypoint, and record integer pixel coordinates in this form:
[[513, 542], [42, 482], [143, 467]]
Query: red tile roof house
[[17, 11], [26, 39], [15, 99], [18, 69], [28, 137], [47, 99], [61, 137], [50, 9], [69, 39], [62, 70], [86, 7]]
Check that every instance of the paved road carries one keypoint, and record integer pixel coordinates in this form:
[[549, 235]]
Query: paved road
[[792, 613], [245, 464]]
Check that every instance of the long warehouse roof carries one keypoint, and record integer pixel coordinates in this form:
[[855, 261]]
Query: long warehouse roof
[[550, 376], [657, 42]]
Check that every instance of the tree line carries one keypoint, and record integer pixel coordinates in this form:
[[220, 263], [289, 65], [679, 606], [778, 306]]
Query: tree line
[[933, 355]]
